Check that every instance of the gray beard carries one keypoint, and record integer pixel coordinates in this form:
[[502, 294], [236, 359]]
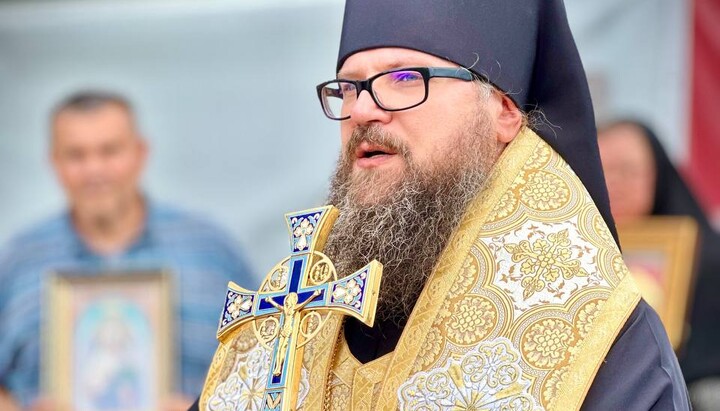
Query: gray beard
[[408, 223]]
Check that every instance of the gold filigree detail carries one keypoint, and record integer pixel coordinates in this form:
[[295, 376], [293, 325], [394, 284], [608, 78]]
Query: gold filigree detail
[[545, 261], [245, 387], [322, 270], [237, 351], [506, 206], [320, 273], [310, 325], [276, 281], [553, 384], [443, 313], [472, 320], [545, 344], [545, 192], [539, 158], [619, 267], [244, 342], [430, 349], [266, 331], [467, 278], [340, 397], [568, 382], [586, 315], [602, 230], [488, 377]]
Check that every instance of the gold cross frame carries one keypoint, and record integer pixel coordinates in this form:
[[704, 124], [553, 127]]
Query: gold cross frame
[[295, 299]]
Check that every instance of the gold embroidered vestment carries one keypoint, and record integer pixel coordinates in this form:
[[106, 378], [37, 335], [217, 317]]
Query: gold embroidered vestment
[[520, 311]]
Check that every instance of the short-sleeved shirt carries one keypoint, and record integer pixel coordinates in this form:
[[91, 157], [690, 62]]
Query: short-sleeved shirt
[[200, 257]]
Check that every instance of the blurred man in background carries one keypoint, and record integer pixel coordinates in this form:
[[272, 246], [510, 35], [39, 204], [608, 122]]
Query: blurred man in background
[[643, 182], [98, 156]]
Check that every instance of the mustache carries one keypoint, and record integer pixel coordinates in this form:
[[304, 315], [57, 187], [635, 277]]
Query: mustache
[[374, 134]]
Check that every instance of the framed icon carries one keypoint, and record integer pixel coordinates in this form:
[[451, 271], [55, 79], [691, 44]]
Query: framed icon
[[660, 253], [107, 340]]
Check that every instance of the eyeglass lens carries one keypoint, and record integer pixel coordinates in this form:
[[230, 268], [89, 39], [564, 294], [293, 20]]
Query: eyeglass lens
[[396, 90]]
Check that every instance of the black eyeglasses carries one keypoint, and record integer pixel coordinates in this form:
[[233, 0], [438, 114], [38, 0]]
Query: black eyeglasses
[[392, 90]]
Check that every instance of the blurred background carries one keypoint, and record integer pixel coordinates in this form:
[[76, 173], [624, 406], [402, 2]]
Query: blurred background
[[224, 92]]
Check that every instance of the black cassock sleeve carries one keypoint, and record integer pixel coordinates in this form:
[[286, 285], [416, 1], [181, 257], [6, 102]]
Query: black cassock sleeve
[[194, 407], [640, 372]]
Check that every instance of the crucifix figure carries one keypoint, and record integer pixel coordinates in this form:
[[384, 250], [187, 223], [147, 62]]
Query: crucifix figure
[[301, 288], [290, 310]]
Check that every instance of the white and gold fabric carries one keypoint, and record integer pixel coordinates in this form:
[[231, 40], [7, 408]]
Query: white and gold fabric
[[519, 313]]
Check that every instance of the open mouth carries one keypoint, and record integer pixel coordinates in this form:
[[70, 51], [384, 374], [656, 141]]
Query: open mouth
[[370, 154], [369, 150]]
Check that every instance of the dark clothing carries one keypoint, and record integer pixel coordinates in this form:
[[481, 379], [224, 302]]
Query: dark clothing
[[640, 372], [700, 357]]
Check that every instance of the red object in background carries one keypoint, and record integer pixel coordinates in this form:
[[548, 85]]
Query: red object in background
[[703, 168]]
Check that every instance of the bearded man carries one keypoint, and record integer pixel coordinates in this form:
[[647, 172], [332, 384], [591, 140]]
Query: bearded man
[[503, 286]]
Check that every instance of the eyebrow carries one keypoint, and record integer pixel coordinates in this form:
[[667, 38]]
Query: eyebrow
[[394, 64]]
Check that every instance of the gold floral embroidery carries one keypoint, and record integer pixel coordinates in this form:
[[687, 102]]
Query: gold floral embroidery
[[619, 267], [488, 377], [586, 316], [472, 320], [340, 397], [545, 192], [245, 387], [544, 261], [602, 230], [430, 349], [506, 206], [537, 198], [466, 279], [539, 158], [245, 341], [236, 349], [552, 385], [546, 343], [515, 324], [443, 313]]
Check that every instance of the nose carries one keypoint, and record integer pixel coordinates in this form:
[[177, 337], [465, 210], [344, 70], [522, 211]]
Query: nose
[[365, 111], [93, 164]]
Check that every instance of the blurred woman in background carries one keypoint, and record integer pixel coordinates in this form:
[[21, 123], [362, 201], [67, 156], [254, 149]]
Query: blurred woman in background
[[642, 181]]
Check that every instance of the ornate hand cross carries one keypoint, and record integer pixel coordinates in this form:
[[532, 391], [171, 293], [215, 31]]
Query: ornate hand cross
[[295, 299]]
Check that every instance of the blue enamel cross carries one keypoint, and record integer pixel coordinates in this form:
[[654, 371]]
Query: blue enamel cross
[[294, 300]]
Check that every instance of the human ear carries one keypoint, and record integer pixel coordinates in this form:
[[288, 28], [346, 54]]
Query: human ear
[[509, 119]]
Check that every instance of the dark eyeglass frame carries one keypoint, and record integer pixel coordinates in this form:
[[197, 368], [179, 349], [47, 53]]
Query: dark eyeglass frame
[[426, 72]]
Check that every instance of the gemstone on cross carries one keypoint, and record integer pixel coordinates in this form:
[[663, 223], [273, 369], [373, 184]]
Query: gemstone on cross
[[304, 282]]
